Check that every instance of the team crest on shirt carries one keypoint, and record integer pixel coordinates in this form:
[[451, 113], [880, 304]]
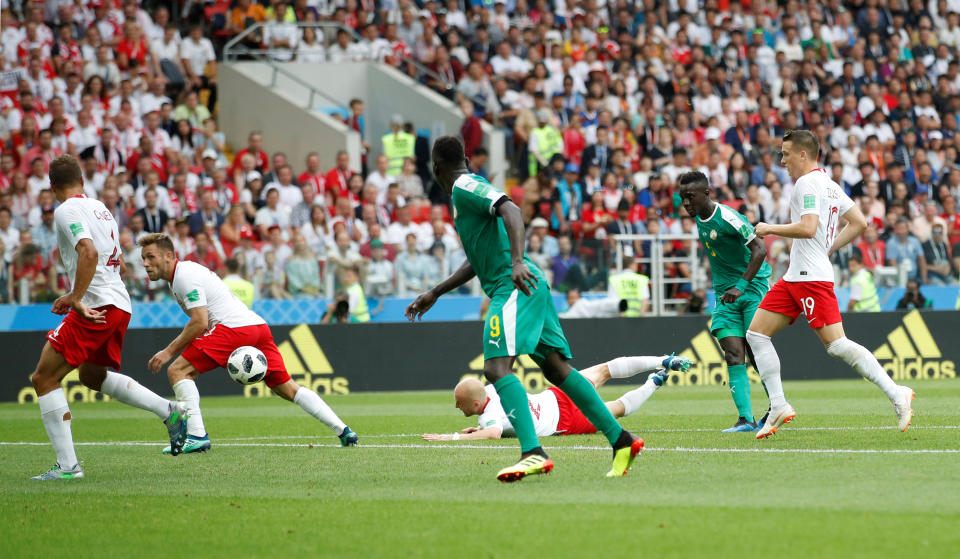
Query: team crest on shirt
[[713, 234]]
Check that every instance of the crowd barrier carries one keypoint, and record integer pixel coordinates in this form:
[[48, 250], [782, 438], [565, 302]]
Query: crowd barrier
[[434, 356], [449, 308]]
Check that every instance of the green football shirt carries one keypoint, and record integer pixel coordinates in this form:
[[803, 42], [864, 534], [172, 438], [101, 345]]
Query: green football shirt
[[724, 236], [483, 235]]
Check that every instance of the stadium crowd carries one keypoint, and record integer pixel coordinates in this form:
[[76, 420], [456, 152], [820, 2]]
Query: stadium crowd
[[604, 104]]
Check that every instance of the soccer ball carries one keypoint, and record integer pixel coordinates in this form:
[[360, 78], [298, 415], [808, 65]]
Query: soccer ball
[[247, 365]]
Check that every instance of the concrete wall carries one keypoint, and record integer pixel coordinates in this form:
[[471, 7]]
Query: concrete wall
[[247, 102], [385, 92]]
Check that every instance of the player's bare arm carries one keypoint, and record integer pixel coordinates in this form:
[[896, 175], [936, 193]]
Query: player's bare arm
[[522, 278], [806, 228], [194, 328], [422, 304], [856, 224], [758, 253], [469, 434], [87, 257]]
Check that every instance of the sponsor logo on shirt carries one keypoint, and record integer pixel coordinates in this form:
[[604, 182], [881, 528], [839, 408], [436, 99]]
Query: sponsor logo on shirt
[[809, 201], [76, 229]]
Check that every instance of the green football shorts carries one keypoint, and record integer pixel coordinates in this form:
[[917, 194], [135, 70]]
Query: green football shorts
[[518, 324], [733, 319]]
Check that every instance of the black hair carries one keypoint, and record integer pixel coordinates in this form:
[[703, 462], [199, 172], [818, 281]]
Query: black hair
[[694, 179], [448, 150]]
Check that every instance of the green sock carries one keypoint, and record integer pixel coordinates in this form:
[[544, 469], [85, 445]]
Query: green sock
[[740, 387], [513, 398], [585, 396]]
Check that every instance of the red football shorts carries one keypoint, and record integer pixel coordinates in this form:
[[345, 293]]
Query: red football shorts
[[815, 299], [212, 350], [80, 341], [572, 421]]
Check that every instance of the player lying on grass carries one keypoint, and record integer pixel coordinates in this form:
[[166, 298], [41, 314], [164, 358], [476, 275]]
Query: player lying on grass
[[90, 337], [521, 319], [219, 323], [553, 411]]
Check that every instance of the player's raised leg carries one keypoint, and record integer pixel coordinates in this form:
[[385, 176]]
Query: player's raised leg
[[659, 367], [764, 325], [626, 447], [55, 413], [864, 362], [130, 392], [313, 404]]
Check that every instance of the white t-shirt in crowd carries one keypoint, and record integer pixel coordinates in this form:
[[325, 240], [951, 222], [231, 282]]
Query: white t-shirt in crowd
[[543, 408], [816, 193], [198, 54], [81, 218], [194, 285]]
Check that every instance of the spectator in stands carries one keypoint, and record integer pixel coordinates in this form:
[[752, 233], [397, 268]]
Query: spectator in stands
[[913, 298], [412, 268], [397, 145], [29, 274], [43, 151], [280, 35], [317, 232], [45, 235], [196, 114], [380, 273], [343, 255], [204, 253], [272, 217], [905, 252], [207, 215], [400, 229], [381, 178], [183, 243], [154, 219], [200, 63], [338, 177], [300, 214], [303, 271], [872, 249], [290, 194], [409, 183], [470, 131], [936, 253], [922, 225], [104, 68], [165, 57]]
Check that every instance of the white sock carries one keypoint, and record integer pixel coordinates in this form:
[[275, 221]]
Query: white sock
[[768, 365], [624, 367], [134, 394], [635, 398], [54, 411], [186, 391], [312, 403], [863, 362]]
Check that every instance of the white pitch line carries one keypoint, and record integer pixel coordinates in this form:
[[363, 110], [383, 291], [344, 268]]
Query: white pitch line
[[513, 447]]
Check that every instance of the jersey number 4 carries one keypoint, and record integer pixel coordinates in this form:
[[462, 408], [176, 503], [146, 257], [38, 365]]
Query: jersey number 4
[[113, 261]]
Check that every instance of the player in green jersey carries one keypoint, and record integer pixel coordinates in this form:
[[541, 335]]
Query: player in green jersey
[[521, 319], [740, 280]]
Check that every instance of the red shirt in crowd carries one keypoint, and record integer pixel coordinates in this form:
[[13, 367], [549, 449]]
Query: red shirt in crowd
[[211, 260], [472, 134], [263, 161], [873, 256], [336, 181]]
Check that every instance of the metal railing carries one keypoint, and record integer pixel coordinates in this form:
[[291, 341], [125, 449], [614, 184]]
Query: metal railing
[[660, 304], [234, 50]]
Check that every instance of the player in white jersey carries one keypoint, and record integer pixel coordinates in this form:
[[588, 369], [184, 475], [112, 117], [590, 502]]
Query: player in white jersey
[[219, 323], [552, 410], [90, 337], [816, 206]]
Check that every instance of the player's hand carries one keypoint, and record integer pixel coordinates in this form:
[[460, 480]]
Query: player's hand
[[158, 360], [95, 316], [420, 306], [523, 279], [437, 437], [63, 304], [761, 229], [731, 295], [469, 430]]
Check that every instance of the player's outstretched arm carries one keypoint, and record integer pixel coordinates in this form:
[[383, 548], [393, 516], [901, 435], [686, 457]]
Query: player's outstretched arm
[[806, 228], [196, 326], [856, 224], [522, 278], [472, 435], [87, 258], [422, 304]]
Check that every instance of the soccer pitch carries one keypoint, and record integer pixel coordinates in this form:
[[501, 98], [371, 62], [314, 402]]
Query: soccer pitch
[[840, 481]]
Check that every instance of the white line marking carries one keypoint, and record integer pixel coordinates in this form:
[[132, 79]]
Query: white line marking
[[514, 447]]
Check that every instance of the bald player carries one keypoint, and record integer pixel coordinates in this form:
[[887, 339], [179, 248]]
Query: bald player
[[552, 410]]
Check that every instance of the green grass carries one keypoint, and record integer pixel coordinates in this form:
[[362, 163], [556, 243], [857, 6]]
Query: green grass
[[244, 501]]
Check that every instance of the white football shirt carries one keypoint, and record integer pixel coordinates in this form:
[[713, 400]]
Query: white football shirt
[[816, 193], [194, 285], [81, 218], [543, 408]]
